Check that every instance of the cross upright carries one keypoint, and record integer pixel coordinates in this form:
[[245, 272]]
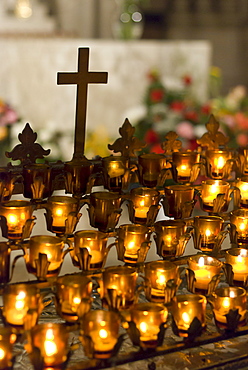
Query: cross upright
[[81, 78]]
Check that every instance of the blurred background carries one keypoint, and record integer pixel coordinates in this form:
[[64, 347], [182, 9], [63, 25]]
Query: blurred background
[[170, 63]]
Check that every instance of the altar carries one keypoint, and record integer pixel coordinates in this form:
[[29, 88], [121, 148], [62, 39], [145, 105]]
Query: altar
[[29, 73]]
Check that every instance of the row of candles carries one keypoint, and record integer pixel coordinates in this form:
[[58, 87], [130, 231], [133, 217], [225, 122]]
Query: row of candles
[[140, 295], [99, 330], [117, 172]]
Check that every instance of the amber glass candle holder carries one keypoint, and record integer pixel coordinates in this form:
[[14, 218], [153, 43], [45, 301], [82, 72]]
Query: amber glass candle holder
[[149, 318], [37, 181], [133, 243], [119, 287], [16, 221], [242, 186], [7, 180], [7, 340], [104, 210], [178, 201], [215, 195], [5, 253], [218, 163], [184, 162], [205, 271], [162, 279], [20, 301], [90, 249], [189, 314], [51, 339], [150, 167], [239, 226], [116, 172], [44, 255], [242, 161], [171, 238], [78, 179], [237, 258], [229, 307], [99, 333], [207, 232], [62, 214], [143, 205], [70, 291]]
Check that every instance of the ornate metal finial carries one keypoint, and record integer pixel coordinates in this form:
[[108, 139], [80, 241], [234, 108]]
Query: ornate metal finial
[[171, 143], [213, 139], [28, 151], [127, 144]]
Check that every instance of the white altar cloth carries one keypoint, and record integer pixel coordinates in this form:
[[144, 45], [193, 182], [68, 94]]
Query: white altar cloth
[[29, 69]]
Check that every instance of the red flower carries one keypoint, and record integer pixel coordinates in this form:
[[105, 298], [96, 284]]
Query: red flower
[[156, 95], [157, 149], [187, 80], [177, 105], [191, 116], [206, 109], [151, 137]]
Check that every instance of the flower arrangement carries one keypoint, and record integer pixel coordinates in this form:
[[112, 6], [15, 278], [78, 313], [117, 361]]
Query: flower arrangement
[[171, 110], [178, 110]]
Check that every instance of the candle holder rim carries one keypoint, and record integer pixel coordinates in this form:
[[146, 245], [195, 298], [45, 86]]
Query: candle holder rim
[[148, 306], [179, 187], [185, 153], [240, 212], [195, 259], [221, 292], [181, 298], [140, 190], [53, 239], [120, 270], [102, 195], [99, 234], [151, 155], [72, 279], [134, 228], [210, 218], [165, 265], [219, 151], [170, 223], [215, 182], [234, 252], [16, 204], [13, 288], [61, 199]]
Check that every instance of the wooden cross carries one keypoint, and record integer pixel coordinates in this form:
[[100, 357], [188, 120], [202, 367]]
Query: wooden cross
[[81, 78]]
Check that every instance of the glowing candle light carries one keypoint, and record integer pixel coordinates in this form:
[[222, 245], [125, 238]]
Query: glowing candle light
[[205, 268], [238, 259], [225, 299], [50, 346], [183, 170]]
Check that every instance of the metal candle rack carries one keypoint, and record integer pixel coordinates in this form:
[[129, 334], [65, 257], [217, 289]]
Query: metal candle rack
[[213, 177]]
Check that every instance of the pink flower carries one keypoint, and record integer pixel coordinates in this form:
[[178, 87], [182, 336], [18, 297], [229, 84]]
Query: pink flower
[[241, 120], [185, 130], [242, 139]]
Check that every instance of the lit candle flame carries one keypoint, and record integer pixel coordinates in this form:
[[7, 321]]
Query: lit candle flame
[[142, 203], [12, 219], [2, 354], [103, 333], [161, 279], [76, 300], [207, 233], [186, 317], [242, 226], [143, 327], [220, 162], [226, 303], [49, 345], [201, 262], [59, 212], [130, 245], [19, 304]]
